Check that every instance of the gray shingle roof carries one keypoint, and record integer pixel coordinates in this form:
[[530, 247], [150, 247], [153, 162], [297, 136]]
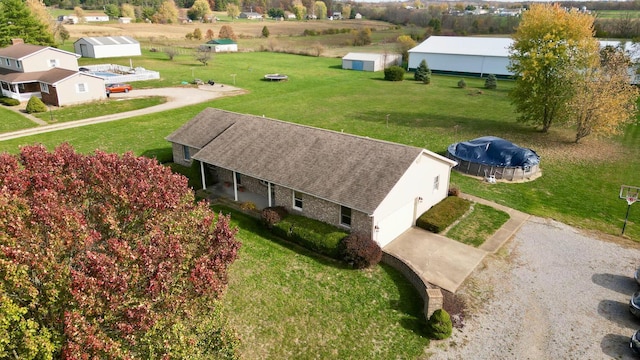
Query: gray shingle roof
[[20, 51], [353, 171]]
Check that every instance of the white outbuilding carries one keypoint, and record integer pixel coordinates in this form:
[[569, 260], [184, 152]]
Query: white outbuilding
[[478, 56], [107, 46], [369, 61]]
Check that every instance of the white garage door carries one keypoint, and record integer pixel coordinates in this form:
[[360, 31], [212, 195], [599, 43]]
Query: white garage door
[[395, 224]]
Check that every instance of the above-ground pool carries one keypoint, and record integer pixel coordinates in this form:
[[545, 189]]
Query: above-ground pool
[[494, 158]]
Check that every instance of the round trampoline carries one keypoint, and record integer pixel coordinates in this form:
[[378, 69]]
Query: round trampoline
[[495, 159], [276, 77]]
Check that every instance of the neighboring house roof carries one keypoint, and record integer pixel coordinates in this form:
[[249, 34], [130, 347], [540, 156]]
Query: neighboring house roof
[[21, 51], [221, 42], [353, 171], [109, 40], [363, 56], [465, 45]]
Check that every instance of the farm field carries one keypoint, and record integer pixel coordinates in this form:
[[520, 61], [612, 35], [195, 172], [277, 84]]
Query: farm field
[[617, 14]]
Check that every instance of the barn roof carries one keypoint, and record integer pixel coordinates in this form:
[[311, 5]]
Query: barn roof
[[350, 170], [109, 40], [362, 56], [465, 45]]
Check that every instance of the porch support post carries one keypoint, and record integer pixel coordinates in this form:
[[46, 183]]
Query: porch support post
[[204, 181], [235, 187], [269, 192]]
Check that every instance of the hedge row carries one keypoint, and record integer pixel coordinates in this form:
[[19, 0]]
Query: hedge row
[[312, 234], [443, 214], [9, 101]]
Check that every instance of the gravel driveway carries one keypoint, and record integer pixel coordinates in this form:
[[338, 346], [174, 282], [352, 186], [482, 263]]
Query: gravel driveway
[[550, 293]]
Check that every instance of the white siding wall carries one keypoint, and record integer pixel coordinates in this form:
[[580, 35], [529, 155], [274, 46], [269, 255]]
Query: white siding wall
[[105, 51], [40, 61], [462, 63], [68, 90], [402, 206]]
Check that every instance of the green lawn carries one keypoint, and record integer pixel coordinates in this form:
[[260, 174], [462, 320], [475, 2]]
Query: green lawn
[[12, 121], [287, 303], [617, 14], [99, 108], [479, 225], [579, 185]]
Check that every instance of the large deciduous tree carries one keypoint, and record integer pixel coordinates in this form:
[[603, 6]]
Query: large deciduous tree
[[17, 21], [551, 47], [167, 13], [108, 256], [226, 32], [199, 11], [604, 101]]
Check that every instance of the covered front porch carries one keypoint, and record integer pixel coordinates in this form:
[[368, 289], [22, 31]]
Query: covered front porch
[[220, 190]]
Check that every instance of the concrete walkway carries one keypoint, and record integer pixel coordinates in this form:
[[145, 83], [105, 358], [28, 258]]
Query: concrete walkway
[[176, 98], [445, 262]]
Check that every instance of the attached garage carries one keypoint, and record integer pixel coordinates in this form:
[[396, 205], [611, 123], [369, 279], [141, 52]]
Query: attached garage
[[477, 56], [369, 61], [107, 46]]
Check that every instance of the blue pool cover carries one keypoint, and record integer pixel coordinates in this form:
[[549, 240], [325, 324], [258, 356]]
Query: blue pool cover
[[491, 150]]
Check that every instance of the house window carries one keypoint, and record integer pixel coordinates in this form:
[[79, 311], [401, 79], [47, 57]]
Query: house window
[[44, 88], [7, 61], [18, 64], [186, 152], [345, 216], [53, 62], [82, 87], [436, 182], [297, 200]]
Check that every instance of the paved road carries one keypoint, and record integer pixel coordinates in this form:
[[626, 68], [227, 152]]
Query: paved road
[[176, 98]]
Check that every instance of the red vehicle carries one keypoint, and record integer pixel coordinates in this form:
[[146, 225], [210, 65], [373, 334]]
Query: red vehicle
[[116, 88]]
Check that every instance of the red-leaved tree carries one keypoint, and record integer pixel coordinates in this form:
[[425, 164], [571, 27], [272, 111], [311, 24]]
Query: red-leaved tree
[[108, 256]]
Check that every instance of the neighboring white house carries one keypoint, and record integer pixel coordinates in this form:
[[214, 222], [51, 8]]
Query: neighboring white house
[[124, 20], [222, 45], [96, 17], [51, 74], [374, 187], [250, 15], [463, 55], [107, 46], [370, 61]]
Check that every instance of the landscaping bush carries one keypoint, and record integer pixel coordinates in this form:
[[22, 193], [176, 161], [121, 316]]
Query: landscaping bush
[[439, 326], [423, 73], [462, 84], [35, 105], [360, 251], [273, 215], [394, 73], [453, 191], [443, 214], [311, 234], [491, 82], [9, 101]]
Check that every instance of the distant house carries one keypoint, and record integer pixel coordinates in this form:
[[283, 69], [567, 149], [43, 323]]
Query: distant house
[[222, 45], [96, 17], [51, 74], [124, 20], [250, 15], [369, 61], [358, 16], [107, 46], [360, 184], [336, 15]]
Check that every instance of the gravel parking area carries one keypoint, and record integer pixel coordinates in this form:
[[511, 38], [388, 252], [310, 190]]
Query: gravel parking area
[[550, 293]]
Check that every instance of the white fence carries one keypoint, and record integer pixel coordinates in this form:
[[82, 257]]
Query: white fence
[[123, 73]]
